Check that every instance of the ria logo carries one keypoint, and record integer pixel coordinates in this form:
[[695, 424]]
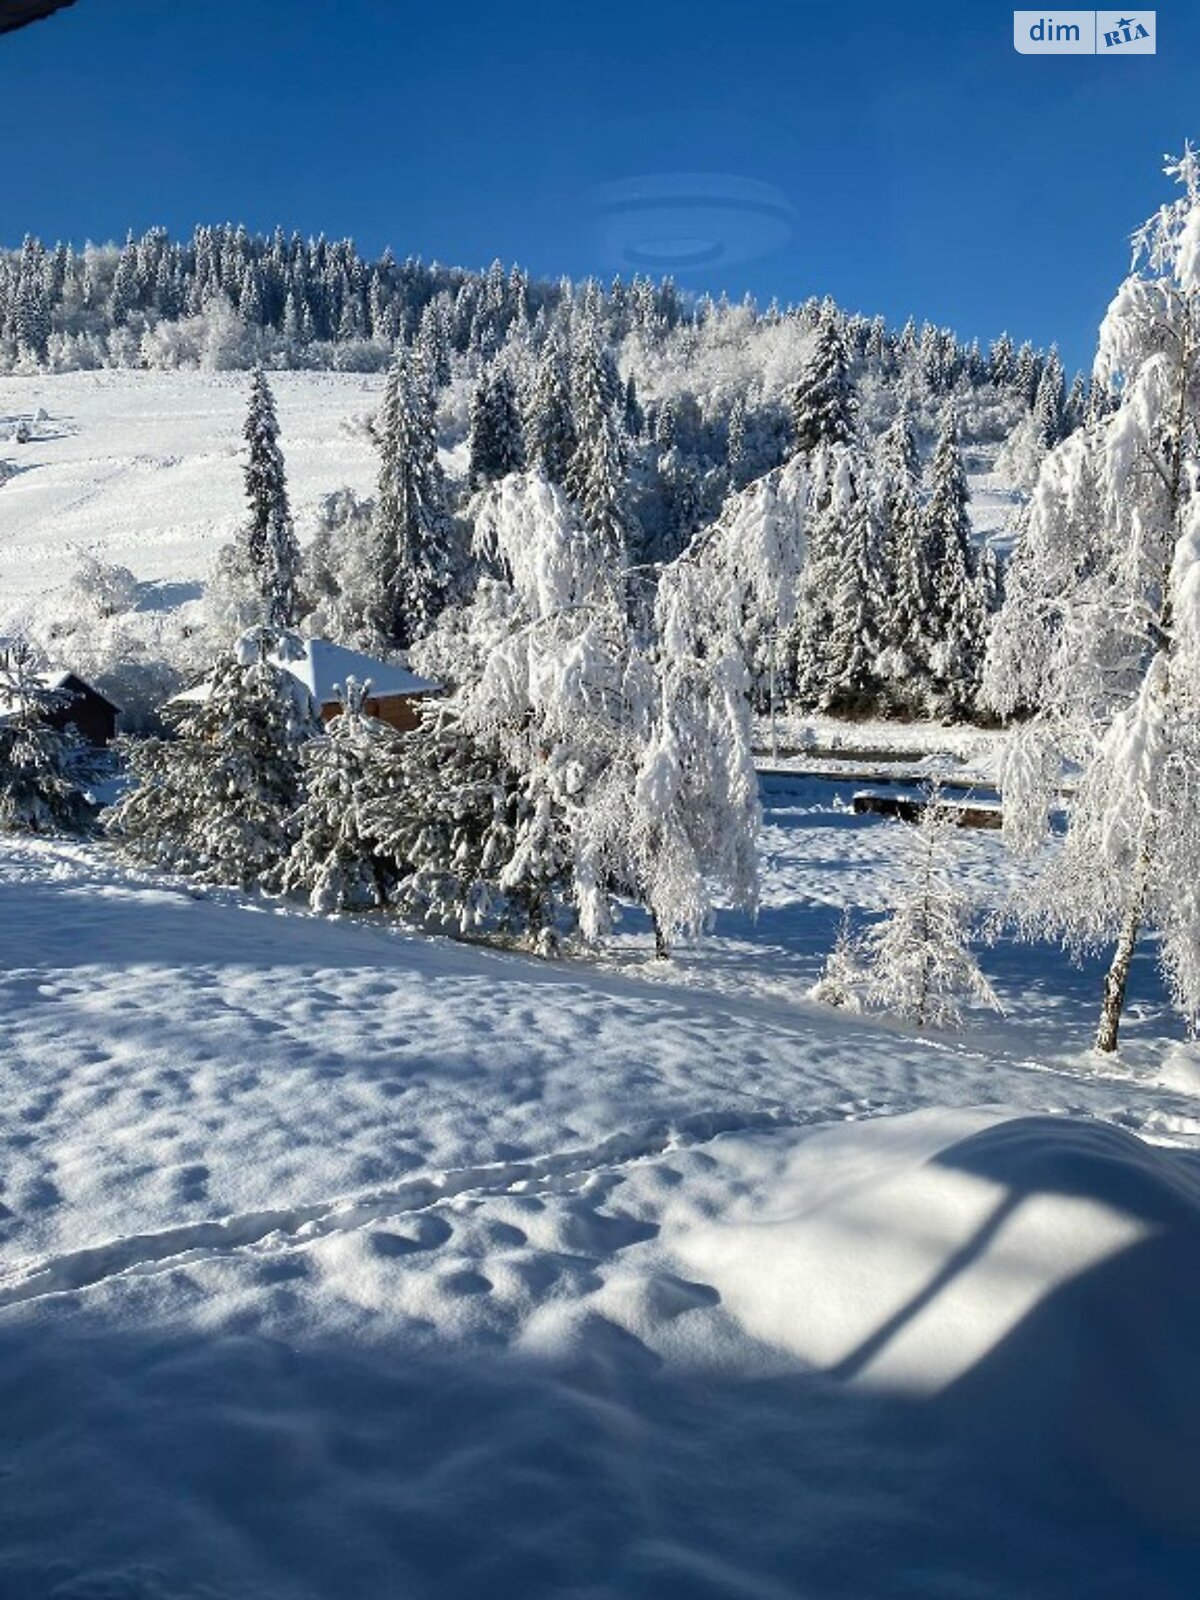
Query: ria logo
[[1125, 31], [1084, 33]]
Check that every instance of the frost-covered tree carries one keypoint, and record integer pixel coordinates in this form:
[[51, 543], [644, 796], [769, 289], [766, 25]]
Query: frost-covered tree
[[955, 622], [823, 402], [916, 963], [40, 763], [413, 533], [595, 478], [836, 642], [906, 581], [550, 419], [843, 976], [219, 800], [1100, 633], [271, 547], [337, 859], [497, 441]]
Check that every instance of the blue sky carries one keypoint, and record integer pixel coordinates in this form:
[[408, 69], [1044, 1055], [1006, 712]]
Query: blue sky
[[927, 166]]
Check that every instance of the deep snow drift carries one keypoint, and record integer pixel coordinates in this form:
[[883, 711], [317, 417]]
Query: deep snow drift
[[337, 1261]]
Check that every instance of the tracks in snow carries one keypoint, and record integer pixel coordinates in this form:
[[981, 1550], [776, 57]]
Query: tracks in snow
[[146, 1253]]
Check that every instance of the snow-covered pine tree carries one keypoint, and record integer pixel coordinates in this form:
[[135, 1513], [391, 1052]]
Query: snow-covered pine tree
[[917, 962], [40, 789], [271, 546], [956, 622], [219, 801], [1048, 404], [550, 420], [595, 478], [497, 443], [823, 403], [477, 847], [1100, 632], [906, 584], [337, 859], [413, 533], [836, 643]]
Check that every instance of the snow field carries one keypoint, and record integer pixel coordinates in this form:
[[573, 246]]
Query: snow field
[[339, 1261]]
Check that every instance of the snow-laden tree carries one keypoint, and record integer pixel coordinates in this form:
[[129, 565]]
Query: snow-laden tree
[[496, 437], [595, 479], [955, 627], [413, 532], [219, 800], [843, 977], [549, 418], [628, 754], [906, 582], [1100, 634], [40, 764], [837, 640], [478, 848], [917, 964], [271, 545], [337, 859], [823, 403]]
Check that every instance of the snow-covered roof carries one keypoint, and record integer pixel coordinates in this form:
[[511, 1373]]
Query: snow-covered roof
[[324, 667], [60, 680]]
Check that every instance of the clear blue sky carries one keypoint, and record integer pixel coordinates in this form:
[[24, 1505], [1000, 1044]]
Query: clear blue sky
[[931, 169]]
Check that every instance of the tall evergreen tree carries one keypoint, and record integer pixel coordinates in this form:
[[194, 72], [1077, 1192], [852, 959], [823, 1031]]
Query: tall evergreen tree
[[271, 545], [413, 535], [956, 618], [550, 421], [596, 475], [823, 403], [497, 440]]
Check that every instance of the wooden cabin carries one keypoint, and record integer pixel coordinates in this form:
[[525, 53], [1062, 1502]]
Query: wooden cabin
[[83, 707], [395, 696], [323, 669]]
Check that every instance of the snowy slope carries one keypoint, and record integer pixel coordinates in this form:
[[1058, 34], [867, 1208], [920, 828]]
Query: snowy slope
[[337, 1261], [141, 468]]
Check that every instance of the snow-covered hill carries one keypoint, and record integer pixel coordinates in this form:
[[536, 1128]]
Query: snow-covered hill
[[141, 469]]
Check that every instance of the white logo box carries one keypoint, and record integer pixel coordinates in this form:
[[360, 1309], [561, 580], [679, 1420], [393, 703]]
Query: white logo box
[[1085, 33]]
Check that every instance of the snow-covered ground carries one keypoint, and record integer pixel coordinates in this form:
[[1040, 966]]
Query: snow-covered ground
[[337, 1261]]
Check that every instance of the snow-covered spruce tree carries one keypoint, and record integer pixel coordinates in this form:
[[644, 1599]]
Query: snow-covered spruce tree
[[497, 441], [823, 400], [413, 532], [956, 622], [219, 801], [836, 642], [40, 763], [271, 545], [477, 847], [595, 478], [1100, 634], [906, 578], [550, 419], [337, 859], [917, 963]]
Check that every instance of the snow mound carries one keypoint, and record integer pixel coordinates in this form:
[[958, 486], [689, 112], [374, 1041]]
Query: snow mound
[[1037, 1278]]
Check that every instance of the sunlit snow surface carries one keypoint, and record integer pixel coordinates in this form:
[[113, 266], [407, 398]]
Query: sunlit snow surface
[[339, 1262]]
